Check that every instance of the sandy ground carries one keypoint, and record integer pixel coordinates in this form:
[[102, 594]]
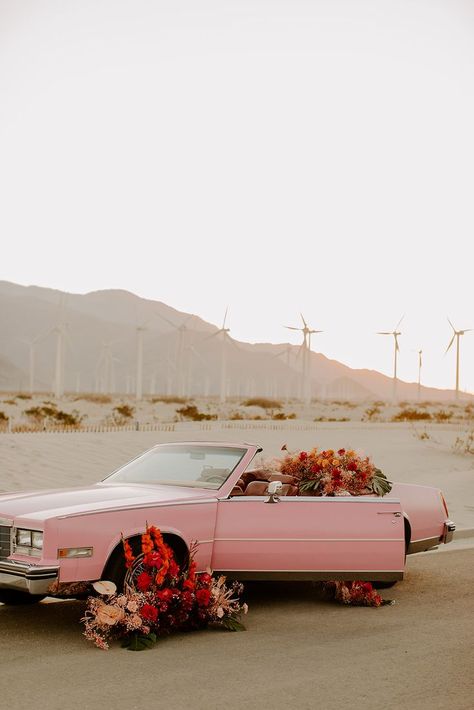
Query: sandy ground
[[29, 461], [299, 651]]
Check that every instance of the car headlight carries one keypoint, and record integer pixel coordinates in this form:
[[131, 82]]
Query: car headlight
[[37, 540], [23, 538], [28, 541]]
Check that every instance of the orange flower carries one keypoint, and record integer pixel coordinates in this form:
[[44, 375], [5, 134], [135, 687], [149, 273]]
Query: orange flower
[[129, 556]]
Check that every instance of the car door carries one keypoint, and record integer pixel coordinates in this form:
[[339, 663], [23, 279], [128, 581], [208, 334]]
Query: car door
[[303, 537]]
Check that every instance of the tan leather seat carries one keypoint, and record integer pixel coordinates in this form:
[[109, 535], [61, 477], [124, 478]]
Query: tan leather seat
[[257, 488], [283, 477], [289, 490], [237, 491]]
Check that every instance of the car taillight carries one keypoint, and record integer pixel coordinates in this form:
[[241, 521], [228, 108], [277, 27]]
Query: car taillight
[[444, 504]]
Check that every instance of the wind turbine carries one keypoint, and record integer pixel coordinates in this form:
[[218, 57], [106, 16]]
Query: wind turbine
[[225, 338], [181, 369], [395, 334], [287, 353], [420, 364], [32, 343], [305, 349], [456, 335], [140, 330]]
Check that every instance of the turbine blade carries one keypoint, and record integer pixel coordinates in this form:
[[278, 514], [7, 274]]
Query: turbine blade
[[450, 343], [304, 322], [452, 326], [403, 316], [225, 317], [291, 327], [383, 333]]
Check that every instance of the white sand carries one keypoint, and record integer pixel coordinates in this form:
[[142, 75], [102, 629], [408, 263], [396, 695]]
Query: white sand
[[46, 460]]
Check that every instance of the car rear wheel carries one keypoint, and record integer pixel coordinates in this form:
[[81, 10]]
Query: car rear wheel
[[8, 596]]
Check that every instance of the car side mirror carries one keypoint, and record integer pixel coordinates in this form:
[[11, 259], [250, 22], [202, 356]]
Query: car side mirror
[[273, 490]]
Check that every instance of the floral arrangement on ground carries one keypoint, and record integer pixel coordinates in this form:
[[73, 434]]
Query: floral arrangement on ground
[[159, 597]]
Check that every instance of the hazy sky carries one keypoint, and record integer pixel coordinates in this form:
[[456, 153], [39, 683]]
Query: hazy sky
[[275, 156]]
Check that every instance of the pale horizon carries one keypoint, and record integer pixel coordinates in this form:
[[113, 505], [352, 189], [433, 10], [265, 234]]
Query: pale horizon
[[277, 158]]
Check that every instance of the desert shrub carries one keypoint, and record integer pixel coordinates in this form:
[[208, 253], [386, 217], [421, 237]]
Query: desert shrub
[[442, 415], [122, 413], [331, 419], [11, 402], [191, 412], [343, 403], [280, 416], [94, 398], [3, 418], [379, 403], [169, 399], [49, 414], [236, 416], [370, 414], [464, 444], [262, 402], [23, 395], [410, 415]]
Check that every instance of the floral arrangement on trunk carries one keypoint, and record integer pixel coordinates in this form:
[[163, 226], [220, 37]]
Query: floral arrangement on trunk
[[356, 594], [159, 597], [333, 473]]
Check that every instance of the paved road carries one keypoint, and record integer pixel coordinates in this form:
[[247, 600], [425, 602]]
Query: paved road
[[299, 652]]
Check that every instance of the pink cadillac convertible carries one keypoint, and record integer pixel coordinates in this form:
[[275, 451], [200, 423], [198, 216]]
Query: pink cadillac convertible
[[207, 492]]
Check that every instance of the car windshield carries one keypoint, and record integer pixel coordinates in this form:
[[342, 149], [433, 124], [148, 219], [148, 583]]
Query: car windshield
[[181, 465]]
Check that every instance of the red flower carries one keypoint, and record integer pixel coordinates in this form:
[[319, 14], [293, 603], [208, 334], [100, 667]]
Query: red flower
[[189, 584], [153, 559], [144, 581], [149, 612], [341, 452], [367, 587], [303, 456], [352, 466], [165, 595], [203, 597], [316, 468], [205, 579], [173, 569]]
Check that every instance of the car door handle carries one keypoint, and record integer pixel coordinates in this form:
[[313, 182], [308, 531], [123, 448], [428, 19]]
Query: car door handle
[[389, 512]]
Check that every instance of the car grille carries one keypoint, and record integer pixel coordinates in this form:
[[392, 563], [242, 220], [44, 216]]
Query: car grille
[[5, 541]]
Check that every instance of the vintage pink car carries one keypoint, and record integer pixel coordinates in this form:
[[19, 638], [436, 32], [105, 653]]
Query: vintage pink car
[[207, 492]]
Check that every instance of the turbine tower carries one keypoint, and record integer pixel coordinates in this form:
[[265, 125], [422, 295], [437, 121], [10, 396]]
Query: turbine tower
[[182, 382], [395, 334], [456, 335], [139, 378], [305, 349], [225, 338], [420, 364]]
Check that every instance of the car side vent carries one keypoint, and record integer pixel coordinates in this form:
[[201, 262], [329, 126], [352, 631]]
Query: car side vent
[[5, 541]]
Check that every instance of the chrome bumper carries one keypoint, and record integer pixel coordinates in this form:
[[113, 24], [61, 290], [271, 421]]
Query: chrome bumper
[[449, 528], [25, 577]]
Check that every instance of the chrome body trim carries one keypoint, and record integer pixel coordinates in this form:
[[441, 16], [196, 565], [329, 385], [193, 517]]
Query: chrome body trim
[[422, 545], [311, 575], [449, 530], [25, 577], [316, 499], [8, 522], [309, 539], [121, 509]]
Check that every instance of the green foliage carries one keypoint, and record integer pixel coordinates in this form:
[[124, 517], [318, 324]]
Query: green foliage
[[231, 624], [139, 642], [262, 402], [192, 413], [410, 415], [380, 485], [310, 485]]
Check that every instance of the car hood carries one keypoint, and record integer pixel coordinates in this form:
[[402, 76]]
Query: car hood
[[42, 505]]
